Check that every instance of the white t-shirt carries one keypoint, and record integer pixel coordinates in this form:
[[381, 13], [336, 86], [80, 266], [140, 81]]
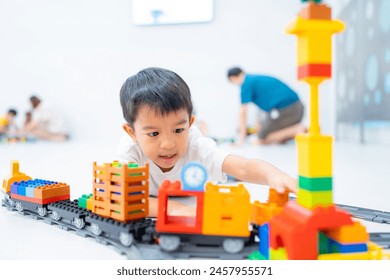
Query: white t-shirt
[[200, 148], [49, 119]]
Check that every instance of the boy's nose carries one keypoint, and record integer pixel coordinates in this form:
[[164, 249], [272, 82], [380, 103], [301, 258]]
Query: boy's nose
[[167, 143]]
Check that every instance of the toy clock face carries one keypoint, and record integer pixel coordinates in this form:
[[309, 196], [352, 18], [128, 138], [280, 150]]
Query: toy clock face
[[194, 175]]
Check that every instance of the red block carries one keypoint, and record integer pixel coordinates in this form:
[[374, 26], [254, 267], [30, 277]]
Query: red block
[[314, 70]]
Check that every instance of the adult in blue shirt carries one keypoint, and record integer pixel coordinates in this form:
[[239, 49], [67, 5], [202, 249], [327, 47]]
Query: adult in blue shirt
[[282, 105]]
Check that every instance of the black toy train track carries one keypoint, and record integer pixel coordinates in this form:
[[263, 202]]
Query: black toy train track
[[143, 247]]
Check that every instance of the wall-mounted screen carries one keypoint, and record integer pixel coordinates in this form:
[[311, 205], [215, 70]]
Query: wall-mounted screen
[[160, 12]]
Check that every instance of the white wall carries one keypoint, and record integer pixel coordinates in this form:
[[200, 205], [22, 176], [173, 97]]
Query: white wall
[[77, 53]]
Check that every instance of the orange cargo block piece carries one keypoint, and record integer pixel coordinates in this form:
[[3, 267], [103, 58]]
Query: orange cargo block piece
[[49, 191], [226, 210]]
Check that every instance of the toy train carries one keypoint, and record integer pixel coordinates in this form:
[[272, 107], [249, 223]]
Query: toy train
[[118, 209]]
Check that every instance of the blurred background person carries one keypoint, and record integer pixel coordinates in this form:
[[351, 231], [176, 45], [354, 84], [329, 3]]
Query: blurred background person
[[7, 122], [45, 122], [284, 110]]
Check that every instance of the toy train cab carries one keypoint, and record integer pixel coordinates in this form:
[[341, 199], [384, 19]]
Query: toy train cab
[[222, 213]]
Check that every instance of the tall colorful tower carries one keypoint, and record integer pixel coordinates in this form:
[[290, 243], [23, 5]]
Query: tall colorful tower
[[312, 227], [314, 29]]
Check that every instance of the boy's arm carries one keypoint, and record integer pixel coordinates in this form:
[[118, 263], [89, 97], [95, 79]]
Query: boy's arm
[[259, 172], [174, 208], [242, 124]]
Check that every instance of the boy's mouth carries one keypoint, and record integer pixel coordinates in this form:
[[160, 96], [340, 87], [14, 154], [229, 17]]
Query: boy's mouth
[[167, 159]]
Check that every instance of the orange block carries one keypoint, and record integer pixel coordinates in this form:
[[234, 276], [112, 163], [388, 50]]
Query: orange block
[[316, 11], [355, 233]]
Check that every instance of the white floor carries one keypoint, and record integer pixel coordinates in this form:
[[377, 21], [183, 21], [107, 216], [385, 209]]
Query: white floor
[[361, 178]]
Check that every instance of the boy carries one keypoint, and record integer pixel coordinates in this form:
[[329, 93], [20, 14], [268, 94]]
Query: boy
[[7, 121], [157, 106]]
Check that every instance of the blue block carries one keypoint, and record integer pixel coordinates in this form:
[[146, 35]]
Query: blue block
[[264, 240], [22, 189], [14, 188], [30, 192], [336, 247]]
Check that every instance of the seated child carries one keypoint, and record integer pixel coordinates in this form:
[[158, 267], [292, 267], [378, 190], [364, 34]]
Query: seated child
[[7, 121], [156, 104]]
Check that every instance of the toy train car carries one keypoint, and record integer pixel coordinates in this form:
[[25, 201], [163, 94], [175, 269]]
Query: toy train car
[[117, 208]]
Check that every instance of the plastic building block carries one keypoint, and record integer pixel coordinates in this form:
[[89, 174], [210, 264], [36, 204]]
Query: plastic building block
[[264, 240], [280, 199], [226, 210], [315, 183], [316, 11], [314, 155], [355, 233], [15, 176], [312, 199], [178, 224], [374, 253], [278, 254], [120, 192], [337, 247], [296, 229]]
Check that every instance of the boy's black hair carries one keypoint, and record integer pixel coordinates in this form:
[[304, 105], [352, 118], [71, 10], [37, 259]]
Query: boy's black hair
[[235, 71], [13, 112], [160, 89]]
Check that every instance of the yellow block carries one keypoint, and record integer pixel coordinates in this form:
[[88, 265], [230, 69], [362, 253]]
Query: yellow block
[[374, 252], [278, 254], [226, 210], [310, 200], [314, 155], [314, 39], [314, 49]]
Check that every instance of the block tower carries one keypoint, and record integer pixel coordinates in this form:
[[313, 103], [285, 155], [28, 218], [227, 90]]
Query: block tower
[[312, 227]]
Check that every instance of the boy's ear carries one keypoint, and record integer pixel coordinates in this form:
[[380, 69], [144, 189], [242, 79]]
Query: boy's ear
[[129, 130], [192, 119]]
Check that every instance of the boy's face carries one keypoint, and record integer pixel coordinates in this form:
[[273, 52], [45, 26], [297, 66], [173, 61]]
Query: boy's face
[[163, 139]]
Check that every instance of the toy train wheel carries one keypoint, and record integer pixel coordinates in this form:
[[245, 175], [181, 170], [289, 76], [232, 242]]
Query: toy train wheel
[[19, 206], [95, 229], [126, 239], [79, 223], [169, 243], [233, 245], [10, 201], [55, 216], [42, 211]]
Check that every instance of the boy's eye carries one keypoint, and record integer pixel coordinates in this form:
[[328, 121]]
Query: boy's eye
[[179, 130], [153, 134]]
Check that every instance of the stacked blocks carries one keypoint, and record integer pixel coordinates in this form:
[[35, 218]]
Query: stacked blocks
[[120, 191], [314, 29], [312, 227], [40, 191], [220, 210]]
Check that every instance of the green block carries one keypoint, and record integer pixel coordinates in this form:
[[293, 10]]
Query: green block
[[315, 184], [323, 243], [310, 200], [82, 201], [256, 256]]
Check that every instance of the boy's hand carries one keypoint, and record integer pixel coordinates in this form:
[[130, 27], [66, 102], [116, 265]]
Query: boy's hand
[[281, 181]]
